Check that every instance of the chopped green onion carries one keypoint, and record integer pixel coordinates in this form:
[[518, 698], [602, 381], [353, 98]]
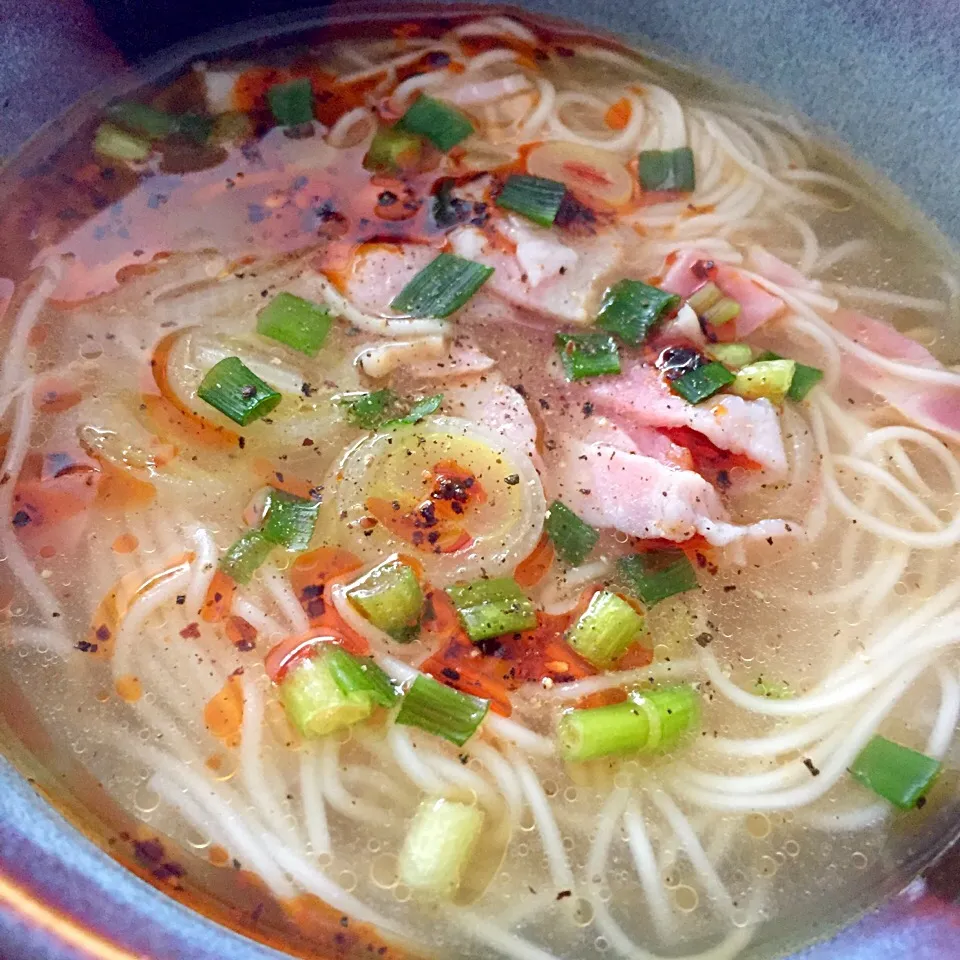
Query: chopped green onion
[[438, 846], [804, 378], [289, 521], [646, 722], [731, 354], [360, 675], [772, 689], [232, 127], [722, 312], [703, 298], [765, 379], [295, 322], [291, 103], [421, 409], [652, 577], [157, 124], [315, 703], [389, 596], [384, 408], [631, 309], [572, 538], [143, 119], [117, 144], [605, 629], [441, 710], [443, 286], [668, 170], [237, 392], [898, 774], [489, 608], [393, 151], [702, 382], [245, 555], [536, 198], [443, 125], [587, 354]]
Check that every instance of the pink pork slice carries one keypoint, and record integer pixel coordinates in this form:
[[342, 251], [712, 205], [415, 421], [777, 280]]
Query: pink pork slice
[[757, 306]]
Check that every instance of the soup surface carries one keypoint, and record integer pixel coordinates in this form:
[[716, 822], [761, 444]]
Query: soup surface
[[494, 482]]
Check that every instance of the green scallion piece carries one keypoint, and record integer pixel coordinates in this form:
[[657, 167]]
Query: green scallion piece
[[232, 127], [143, 119], [291, 103], [671, 170], [734, 355], [697, 385], [631, 309], [703, 298], [393, 151], [441, 710], [653, 721], [438, 846], [369, 410], [289, 521], [898, 774], [605, 629], [116, 144], [315, 702], [572, 538], [237, 392], [360, 675], [245, 555], [587, 354], [194, 127], [295, 322], [389, 596], [536, 198], [805, 378], [489, 608], [421, 409], [652, 577], [765, 379], [722, 312], [441, 287], [443, 125]]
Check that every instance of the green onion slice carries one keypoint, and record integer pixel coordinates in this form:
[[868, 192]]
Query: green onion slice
[[383, 408], [631, 309], [653, 721], [421, 409], [765, 379], [587, 354], [898, 774], [709, 303], [110, 141], [804, 378], [393, 151], [157, 124], [441, 710], [605, 629], [536, 198], [438, 846], [668, 170], [652, 577], [237, 392], [289, 521], [489, 608], [295, 322], [697, 385], [733, 355], [441, 287], [316, 704], [389, 596], [443, 125], [291, 103], [360, 675], [572, 538], [245, 555]]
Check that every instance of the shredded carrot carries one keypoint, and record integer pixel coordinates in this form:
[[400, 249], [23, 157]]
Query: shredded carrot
[[241, 633], [121, 490], [276, 476], [637, 655], [219, 598], [223, 714], [618, 114], [533, 568]]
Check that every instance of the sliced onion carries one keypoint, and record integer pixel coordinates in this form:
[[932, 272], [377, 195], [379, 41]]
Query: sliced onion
[[391, 466], [591, 173]]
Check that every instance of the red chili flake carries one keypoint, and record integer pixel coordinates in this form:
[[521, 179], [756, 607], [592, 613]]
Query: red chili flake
[[191, 631]]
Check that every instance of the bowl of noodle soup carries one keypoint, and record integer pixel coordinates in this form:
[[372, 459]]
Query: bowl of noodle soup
[[478, 488]]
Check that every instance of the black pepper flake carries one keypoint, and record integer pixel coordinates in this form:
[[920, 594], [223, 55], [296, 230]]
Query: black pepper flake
[[306, 389], [241, 442], [248, 392], [512, 480], [84, 646], [704, 639], [563, 894], [723, 479], [450, 673], [181, 599], [921, 803], [21, 518], [808, 763], [729, 588], [587, 409]]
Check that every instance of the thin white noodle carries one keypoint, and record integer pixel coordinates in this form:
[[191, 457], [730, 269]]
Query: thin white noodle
[[204, 567], [663, 917], [279, 588], [16, 348]]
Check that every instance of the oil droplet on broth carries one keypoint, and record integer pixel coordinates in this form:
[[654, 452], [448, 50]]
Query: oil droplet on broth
[[128, 688]]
